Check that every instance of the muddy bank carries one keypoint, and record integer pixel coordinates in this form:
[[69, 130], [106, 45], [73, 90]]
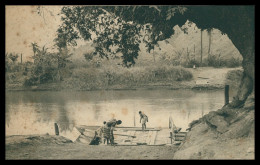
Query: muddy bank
[[57, 147], [174, 86], [223, 134], [13, 141]]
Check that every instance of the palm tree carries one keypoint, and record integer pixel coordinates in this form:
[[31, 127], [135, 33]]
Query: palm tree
[[201, 49], [35, 48], [210, 35]]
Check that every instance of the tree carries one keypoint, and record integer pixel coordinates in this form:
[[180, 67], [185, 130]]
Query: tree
[[123, 28], [13, 57], [114, 30], [201, 48], [11, 66], [209, 33], [35, 48], [44, 68], [62, 60], [238, 23], [63, 53]]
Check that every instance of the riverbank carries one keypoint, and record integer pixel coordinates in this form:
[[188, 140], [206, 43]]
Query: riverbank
[[58, 147], [204, 78], [205, 140], [228, 133], [223, 134]]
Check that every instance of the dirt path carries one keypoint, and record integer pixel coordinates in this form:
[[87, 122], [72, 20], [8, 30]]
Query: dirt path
[[206, 78], [214, 76]]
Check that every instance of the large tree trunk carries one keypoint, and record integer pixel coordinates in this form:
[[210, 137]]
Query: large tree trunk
[[238, 23], [245, 45]]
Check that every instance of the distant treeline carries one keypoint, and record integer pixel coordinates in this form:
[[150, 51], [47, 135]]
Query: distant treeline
[[56, 68]]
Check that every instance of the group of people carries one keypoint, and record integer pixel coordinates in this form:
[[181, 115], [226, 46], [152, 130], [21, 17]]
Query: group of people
[[105, 134]]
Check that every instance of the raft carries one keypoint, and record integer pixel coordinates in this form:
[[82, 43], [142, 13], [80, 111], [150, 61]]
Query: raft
[[133, 136]]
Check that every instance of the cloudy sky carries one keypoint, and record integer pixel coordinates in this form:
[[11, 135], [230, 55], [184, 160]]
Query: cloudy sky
[[24, 26]]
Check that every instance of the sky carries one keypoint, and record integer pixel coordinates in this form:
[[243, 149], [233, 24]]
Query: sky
[[24, 26]]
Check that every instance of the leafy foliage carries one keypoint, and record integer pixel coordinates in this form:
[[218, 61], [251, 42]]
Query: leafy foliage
[[88, 56], [13, 57], [35, 47], [117, 30], [10, 59], [47, 66], [122, 28], [217, 61]]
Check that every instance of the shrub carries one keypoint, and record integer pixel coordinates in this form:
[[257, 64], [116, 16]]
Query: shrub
[[215, 61], [31, 81], [88, 56], [190, 64], [233, 62]]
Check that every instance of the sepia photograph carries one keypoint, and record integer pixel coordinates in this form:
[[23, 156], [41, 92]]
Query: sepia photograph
[[130, 82]]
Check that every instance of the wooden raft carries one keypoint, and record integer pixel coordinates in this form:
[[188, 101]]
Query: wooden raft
[[134, 136]]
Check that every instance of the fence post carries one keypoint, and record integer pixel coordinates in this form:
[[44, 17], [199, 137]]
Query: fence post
[[171, 136], [226, 94], [56, 129], [134, 119]]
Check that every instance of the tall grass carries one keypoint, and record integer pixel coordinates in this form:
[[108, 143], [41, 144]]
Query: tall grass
[[187, 60], [110, 75], [217, 61]]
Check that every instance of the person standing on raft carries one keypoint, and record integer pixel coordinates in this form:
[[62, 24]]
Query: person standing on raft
[[143, 120]]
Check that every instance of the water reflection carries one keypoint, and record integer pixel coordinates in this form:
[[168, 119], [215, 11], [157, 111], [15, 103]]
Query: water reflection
[[35, 112]]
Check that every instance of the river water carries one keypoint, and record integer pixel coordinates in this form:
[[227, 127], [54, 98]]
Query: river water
[[35, 112]]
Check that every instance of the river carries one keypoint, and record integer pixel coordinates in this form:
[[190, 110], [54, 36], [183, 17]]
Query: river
[[35, 112]]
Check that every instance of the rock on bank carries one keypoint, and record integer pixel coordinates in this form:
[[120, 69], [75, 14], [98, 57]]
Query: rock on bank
[[223, 134]]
